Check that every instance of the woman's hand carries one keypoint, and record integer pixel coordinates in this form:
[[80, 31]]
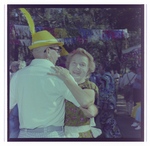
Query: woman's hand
[[61, 73]]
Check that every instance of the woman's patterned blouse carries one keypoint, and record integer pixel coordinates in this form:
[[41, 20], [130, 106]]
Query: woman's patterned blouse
[[74, 116]]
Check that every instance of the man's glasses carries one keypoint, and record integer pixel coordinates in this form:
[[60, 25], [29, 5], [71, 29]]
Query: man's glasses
[[57, 50]]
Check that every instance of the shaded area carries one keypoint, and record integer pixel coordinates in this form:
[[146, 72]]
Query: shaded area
[[124, 121]]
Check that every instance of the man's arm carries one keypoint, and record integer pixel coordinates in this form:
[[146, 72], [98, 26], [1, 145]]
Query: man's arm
[[84, 97]]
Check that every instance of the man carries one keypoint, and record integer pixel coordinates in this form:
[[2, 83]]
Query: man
[[107, 103], [40, 97], [127, 84]]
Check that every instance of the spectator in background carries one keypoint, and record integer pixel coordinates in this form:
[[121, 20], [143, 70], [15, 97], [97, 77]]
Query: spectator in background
[[14, 67], [22, 64], [137, 122], [112, 73], [13, 117], [120, 79], [137, 96], [137, 87], [127, 85], [93, 78], [107, 103], [116, 78]]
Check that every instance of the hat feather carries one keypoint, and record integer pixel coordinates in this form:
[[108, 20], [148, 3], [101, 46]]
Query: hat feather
[[63, 51], [29, 20]]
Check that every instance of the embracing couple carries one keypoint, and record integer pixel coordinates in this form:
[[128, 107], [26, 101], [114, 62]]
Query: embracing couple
[[53, 101]]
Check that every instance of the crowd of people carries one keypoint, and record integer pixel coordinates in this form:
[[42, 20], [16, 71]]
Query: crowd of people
[[129, 85], [67, 100]]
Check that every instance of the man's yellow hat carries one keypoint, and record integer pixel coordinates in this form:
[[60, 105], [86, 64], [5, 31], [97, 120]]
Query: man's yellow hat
[[43, 38]]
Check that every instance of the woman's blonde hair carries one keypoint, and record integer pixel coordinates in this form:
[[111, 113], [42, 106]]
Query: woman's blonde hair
[[84, 53]]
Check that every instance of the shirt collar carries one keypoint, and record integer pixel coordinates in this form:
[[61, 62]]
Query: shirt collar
[[43, 62]]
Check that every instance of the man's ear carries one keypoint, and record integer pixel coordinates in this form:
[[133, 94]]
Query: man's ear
[[47, 52]]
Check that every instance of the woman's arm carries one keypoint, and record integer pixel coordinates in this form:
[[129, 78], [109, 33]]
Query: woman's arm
[[91, 112], [85, 97]]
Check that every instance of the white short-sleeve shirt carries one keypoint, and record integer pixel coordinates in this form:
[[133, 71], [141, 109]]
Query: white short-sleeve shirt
[[128, 78], [40, 97]]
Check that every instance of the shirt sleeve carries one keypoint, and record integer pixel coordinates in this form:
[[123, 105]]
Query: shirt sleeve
[[68, 95]]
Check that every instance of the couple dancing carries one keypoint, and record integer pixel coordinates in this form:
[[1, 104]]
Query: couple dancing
[[49, 96], [53, 101]]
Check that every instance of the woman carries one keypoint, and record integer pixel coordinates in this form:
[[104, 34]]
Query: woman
[[79, 121], [107, 103]]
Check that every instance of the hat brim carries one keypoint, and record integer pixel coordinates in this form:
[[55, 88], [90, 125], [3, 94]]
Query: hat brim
[[45, 44]]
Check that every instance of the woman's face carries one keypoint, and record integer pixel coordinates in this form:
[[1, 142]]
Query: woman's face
[[79, 67]]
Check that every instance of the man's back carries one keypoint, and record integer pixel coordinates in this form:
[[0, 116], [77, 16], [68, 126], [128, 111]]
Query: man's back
[[39, 96]]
